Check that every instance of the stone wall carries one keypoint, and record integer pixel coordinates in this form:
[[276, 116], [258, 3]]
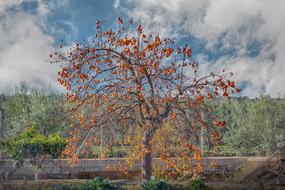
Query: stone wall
[[59, 169]]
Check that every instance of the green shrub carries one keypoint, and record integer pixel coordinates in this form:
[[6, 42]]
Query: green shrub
[[197, 184], [32, 147], [154, 184], [261, 186], [30, 144], [100, 184]]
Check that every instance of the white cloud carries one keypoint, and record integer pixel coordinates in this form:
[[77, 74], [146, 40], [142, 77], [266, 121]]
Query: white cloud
[[116, 3], [228, 25], [4, 5], [25, 47]]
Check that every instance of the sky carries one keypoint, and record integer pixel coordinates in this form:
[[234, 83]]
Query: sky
[[246, 37]]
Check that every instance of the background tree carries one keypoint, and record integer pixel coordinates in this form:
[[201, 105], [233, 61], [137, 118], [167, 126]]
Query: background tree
[[2, 114], [140, 82], [26, 106], [254, 125]]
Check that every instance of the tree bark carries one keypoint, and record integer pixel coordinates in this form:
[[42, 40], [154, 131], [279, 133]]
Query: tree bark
[[147, 158]]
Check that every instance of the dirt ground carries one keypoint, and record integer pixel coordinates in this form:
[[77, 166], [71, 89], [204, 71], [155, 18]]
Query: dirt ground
[[72, 184]]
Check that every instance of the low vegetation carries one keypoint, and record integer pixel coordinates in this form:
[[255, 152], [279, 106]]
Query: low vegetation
[[100, 184], [32, 147]]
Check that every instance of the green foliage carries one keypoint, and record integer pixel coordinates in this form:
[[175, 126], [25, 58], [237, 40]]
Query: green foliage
[[262, 187], [196, 184], [27, 107], [253, 125], [32, 146], [100, 184], [154, 184], [116, 153], [113, 152]]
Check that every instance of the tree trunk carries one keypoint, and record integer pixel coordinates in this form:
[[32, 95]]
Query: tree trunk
[[147, 158], [36, 173]]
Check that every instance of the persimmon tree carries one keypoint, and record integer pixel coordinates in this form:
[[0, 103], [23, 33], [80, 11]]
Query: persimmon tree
[[139, 88]]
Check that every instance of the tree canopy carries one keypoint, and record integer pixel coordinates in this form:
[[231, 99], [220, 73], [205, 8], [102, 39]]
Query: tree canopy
[[254, 125], [141, 84], [27, 106]]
